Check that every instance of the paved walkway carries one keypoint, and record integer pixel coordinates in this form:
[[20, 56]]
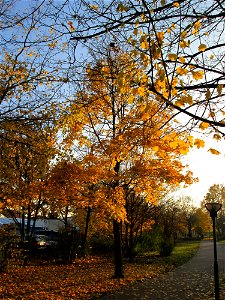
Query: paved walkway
[[189, 281]]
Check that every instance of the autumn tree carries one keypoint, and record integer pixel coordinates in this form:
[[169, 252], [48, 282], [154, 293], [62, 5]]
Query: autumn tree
[[25, 154], [216, 193], [73, 187], [32, 74], [130, 141], [179, 42]]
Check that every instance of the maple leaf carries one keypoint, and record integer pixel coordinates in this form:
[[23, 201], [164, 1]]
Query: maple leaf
[[197, 74], [199, 143], [204, 125], [202, 47], [172, 57], [214, 151]]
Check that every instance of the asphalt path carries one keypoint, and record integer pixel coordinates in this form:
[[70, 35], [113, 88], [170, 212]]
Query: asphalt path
[[190, 281]]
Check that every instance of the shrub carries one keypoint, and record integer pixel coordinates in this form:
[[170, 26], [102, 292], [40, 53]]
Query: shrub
[[166, 248], [149, 241], [101, 244], [8, 247], [68, 245]]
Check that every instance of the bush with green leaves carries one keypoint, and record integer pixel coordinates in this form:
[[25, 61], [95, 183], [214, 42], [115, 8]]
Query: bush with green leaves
[[149, 241], [166, 248]]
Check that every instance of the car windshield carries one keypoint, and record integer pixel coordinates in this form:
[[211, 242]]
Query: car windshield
[[41, 238]]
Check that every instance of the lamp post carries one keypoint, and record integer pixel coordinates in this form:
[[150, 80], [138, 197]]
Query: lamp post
[[213, 208]]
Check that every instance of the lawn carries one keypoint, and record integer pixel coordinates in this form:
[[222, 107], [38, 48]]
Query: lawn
[[85, 278]]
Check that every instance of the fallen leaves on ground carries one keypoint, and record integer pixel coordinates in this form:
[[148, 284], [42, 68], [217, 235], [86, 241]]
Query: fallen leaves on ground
[[84, 279]]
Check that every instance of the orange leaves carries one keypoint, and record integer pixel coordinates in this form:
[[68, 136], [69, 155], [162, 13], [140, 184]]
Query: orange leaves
[[71, 27], [203, 125], [122, 123], [85, 279], [197, 75], [172, 57], [183, 100], [214, 151], [196, 28], [220, 89], [202, 47], [199, 143], [160, 37], [181, 71]]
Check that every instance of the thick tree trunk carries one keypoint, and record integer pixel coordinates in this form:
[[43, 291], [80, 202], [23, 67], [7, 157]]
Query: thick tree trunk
[[117, 250]]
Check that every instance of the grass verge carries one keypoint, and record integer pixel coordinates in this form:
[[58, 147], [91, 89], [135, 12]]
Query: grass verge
[[182, 253]]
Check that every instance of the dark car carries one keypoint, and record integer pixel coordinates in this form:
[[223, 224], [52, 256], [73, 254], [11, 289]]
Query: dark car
[[40, 242]]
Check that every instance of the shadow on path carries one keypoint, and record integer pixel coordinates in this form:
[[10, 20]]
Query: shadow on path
[[189, 281]]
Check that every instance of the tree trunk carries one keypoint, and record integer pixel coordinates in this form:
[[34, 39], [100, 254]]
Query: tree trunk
[[117, 250], [131, 245], [84, 238]]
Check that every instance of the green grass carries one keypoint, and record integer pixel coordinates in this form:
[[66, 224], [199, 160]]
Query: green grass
[[182, 253]]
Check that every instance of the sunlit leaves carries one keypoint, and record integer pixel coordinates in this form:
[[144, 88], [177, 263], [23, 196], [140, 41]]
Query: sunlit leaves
[[197, 75], [214, 151], [172, 57], [184, 44], [199, 143], [219, 89], [160, 37], [176, 4], [123, 128], [84, 279], [181, 71], [122, 8], [217, 136], [202, 47], [197, 26], [94, 6], [204, 125]]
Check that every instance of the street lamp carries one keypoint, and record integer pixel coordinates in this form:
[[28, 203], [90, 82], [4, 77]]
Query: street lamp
[[213, 208]]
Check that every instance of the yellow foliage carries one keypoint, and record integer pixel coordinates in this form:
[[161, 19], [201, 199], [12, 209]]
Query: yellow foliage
[[203, 125], [197, 25], [184, 44], [93, 6], [176, 4], [219, 89], [182, 59], [160, 37], [217, 137], [197, 75], [199, 143], [214, 151], [181, 71], [202, 47], [71, 26], [172, 57], [135, 32]]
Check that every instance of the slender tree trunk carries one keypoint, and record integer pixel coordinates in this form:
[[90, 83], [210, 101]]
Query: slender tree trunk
[[28, 228], [117, 250], [66, 217], [23, 225], [131, 244], [84, 239]]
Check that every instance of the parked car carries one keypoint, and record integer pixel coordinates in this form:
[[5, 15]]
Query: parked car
[[40, 242]]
